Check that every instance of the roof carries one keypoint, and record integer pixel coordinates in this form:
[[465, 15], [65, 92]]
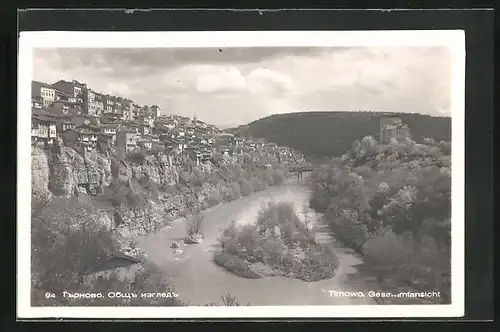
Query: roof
[[36, 87], [44, 118], [71, 129], [35, 111], [83, 125], [64, 86], [127, 131], [60, 92]]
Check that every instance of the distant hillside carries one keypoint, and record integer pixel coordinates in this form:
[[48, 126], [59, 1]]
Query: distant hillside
[[332, 133]]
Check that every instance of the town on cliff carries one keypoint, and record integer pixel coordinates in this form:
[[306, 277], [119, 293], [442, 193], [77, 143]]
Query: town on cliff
[[71, 114]]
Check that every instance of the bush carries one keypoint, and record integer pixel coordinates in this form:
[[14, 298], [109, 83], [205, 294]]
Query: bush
[[231, 192], [229, 300], [277, 178], [137, 157], [235, 190], [68, 238], [258, 184], [388, 248], [235, 264], [399, 196], [213, 198], [320, 263], [248, 238], [277, 215], [194, 225], [246, 187], [399, 261]]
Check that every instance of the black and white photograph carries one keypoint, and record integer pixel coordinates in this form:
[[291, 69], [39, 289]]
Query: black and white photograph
[[241, 174]]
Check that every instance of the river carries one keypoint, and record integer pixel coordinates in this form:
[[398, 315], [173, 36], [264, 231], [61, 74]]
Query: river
[[198, 280]]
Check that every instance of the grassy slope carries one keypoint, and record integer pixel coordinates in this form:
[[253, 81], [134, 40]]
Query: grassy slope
[[332, 133]]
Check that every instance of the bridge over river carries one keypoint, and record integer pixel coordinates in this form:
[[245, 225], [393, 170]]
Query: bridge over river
[[303, 169]]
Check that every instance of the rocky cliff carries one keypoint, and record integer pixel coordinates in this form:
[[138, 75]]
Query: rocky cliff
[[142, 196]]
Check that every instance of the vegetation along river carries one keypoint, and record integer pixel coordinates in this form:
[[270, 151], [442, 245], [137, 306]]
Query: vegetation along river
[[198, 280]]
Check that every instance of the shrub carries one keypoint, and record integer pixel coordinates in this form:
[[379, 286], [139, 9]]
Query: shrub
[[277, 215], [320, 263], [388, 248], [235, 190], [277, 178], [229, 300], [235, 264], [248, 238], [246, 187], [213, 198], [194, 225], [137, 157], [258, 184]]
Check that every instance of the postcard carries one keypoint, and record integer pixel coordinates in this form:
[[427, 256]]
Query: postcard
[[238, 174]]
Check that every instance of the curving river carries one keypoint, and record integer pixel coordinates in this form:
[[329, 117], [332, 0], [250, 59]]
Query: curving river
[[198, 280]]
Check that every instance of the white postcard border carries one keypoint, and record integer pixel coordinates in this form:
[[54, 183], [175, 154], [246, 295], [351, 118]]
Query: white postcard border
[[453, 39]]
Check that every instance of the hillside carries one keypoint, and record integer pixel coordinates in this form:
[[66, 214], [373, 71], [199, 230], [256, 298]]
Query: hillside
[[332, 133]]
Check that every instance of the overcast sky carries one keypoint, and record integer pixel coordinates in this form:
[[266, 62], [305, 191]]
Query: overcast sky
[[229, 87]]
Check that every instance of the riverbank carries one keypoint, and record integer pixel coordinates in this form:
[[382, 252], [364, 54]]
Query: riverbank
[[198, 280]]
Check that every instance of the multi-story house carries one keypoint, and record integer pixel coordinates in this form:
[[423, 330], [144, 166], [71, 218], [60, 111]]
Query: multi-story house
[[110, 129], [126, 142], [43, 90], [37, 102], [63, 125], [90, 102], [78, 139], [155, 111], [60, 107], [87, 135], [112, 108], [145, 144], [145, 122], [224, 139], [76, 90], [108, 104], [127, 109], [99, 104], [43, 127], [173, 145], [61, 95], [136, 109]]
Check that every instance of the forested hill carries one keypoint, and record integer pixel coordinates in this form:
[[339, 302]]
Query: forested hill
[[332, 133]]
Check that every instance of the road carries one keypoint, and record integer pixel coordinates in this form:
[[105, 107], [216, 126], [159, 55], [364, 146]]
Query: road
[[198, 280]]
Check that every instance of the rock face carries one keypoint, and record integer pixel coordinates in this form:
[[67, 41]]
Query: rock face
[[139, 196], [194, 239], [156, 169], [66, 172], [40, 176]]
